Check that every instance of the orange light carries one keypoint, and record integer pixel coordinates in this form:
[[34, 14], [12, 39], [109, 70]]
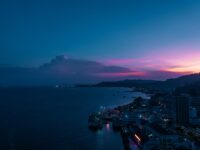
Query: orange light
[[137, 137]]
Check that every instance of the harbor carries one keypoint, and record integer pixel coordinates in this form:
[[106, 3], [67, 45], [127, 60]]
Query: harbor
[[146, 124], [121, 119]]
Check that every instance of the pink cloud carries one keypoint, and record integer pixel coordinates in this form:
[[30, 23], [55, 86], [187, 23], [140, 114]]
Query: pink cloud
[[166, 63], [182, 59], [148, 74], [125, 61], [122, 74], [179, 59]]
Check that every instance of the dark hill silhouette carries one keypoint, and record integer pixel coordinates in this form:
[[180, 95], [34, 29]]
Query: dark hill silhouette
[[169, 83], [192, 89]]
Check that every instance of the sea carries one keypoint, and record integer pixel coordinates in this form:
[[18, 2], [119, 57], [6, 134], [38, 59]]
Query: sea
[[46, 118]]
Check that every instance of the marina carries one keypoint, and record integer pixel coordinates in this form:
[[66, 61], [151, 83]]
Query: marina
[[122, 120], [146, 126]]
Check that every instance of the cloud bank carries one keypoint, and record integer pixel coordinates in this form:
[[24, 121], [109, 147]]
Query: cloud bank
[[62, 70]]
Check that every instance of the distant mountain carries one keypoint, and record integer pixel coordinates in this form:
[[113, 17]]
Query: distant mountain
[[128, 83], [169, 83], [183, 80], [192, 89]]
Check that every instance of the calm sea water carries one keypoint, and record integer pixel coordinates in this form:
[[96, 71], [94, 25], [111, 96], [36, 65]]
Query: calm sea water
[[56, 119]]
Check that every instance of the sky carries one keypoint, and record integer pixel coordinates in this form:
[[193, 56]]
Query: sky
[[143, 35]]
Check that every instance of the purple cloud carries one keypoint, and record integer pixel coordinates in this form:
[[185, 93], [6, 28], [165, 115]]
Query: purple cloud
[[66, 70]]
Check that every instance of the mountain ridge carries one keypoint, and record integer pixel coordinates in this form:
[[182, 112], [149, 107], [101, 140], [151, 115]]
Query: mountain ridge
[[169, 83]]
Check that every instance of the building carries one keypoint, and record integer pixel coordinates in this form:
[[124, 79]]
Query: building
[[182, 110], [193, 112], [195, 102]]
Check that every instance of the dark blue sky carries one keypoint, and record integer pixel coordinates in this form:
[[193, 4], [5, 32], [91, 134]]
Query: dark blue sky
[[132, 33]]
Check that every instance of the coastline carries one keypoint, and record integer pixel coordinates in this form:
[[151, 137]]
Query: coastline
[[110, 117]]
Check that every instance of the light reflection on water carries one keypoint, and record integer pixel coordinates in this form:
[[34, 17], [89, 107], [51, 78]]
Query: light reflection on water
[[107, 126]]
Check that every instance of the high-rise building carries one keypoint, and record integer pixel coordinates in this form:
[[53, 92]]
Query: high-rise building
[[193, 112], [182, 110], [195, 102]]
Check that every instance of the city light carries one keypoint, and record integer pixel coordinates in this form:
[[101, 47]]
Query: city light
[[137, 137]]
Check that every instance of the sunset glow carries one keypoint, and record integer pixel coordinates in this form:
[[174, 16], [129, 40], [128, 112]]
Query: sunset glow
[[182, 61], [122, 74], [148, 40]]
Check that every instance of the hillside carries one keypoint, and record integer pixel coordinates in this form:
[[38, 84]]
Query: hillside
[[169, 83]]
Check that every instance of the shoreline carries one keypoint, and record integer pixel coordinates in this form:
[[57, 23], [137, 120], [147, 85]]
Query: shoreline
[[115, 118]]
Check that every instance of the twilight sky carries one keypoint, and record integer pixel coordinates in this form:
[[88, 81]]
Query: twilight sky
[[143, 35]]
